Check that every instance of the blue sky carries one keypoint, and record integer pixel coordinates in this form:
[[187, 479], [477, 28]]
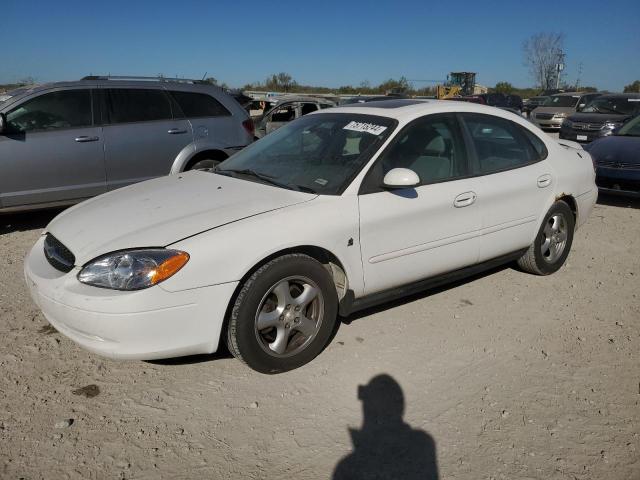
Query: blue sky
[[321, 43]]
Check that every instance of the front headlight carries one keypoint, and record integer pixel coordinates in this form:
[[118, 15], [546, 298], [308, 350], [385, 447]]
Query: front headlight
[[133, 269], [567, 123], [611, 125]]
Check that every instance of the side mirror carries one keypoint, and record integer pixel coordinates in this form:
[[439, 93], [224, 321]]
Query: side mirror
[[580, 107], [3, 123], [400, 178]]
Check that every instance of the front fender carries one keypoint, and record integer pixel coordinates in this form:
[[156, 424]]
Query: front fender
[[229, 252]]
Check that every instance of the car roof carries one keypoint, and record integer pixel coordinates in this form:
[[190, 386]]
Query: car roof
[[621, 95], [302, 98], [405, 110], [570, 94]]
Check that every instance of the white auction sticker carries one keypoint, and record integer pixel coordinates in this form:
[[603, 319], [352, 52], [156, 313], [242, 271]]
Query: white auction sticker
[[365, 127], [633, 99]]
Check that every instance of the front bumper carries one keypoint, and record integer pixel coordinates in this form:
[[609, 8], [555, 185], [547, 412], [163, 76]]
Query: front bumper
[[145, 324], [553, 124], [618, 181], [582, 136]]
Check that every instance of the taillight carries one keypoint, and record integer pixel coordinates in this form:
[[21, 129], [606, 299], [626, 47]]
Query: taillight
[[249, 126]]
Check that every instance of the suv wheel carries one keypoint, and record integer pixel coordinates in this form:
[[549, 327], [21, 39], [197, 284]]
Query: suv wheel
[[205, 165], [284, 314]]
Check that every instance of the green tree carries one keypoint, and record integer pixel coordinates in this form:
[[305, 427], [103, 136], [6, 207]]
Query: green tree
[[632, 87], [503, 87]]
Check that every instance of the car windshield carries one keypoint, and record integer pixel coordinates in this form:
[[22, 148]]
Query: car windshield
[[318, 153], [561, 101], [539, 100], [615, 105], [631, 128]]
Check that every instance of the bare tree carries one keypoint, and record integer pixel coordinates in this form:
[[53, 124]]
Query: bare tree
[[541, 54]]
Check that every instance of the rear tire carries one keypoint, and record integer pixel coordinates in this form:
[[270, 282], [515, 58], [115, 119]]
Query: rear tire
[[284, 315], [551, 246], [204, 165]]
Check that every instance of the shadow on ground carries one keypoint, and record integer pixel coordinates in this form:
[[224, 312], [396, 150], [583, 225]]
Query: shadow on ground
[[386, 446], [618, 200], [21, 222]]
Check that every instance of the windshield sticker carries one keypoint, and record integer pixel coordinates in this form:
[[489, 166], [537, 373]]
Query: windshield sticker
[[364, 127], [321, 181], [633, 99]]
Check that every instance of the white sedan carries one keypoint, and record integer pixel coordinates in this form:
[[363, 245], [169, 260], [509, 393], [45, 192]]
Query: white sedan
[[334, 212]]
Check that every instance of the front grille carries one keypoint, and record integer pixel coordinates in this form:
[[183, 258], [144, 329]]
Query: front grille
[[544, 116], [59, 256], [616, 164], [591, 127]]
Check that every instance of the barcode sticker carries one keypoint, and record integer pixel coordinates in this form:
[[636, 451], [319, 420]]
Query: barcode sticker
[[364, 127]]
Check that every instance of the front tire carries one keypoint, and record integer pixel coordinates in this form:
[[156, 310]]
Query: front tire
[[551, 247], [284, 314]]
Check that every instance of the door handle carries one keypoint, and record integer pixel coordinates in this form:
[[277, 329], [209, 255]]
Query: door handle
[[176, 131], [84, 138], [544, 180], [464, 199]]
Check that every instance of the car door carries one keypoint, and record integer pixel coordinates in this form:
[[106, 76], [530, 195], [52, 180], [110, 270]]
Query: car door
[[52, 151], [515, 182], [142, 134], [414, 233], [282, 115]]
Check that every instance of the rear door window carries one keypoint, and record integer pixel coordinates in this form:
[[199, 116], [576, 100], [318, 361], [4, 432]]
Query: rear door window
[[500, 144], [52, 111], [194, 105], [126, 105]]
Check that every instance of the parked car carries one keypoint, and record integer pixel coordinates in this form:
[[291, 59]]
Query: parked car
[[533, 103], [510, 103], [617, 160], [334, 212], [287, 110], [557, 107], [600, 117], [64, 142]]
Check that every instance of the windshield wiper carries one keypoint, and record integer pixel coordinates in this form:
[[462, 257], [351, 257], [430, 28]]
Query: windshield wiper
[[260, 176]]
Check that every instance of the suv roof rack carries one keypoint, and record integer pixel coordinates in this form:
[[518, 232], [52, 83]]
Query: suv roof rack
[[148, 79]]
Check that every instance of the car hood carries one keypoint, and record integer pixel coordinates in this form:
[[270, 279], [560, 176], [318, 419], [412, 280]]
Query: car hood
[[567, 110], [159, 212], [615, 149], [597, 117]]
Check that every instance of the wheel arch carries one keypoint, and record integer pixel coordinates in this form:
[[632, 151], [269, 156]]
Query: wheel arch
[[327, 258], [187, 157], [571, 201]]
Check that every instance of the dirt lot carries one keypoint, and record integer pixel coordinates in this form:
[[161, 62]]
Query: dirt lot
[[507, 376]]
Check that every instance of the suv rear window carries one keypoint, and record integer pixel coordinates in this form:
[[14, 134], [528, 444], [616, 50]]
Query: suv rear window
[[199, 105], [126, 105]]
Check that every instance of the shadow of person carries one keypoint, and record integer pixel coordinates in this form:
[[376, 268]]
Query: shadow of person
[[386, 447]]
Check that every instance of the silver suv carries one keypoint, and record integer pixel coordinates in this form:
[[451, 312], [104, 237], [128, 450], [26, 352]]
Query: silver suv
[[61, 143]]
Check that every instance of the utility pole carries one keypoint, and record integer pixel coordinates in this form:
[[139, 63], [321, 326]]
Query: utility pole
[[579, 75], [559, 67]]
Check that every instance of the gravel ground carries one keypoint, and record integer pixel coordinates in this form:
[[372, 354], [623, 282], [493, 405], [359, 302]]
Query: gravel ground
[[504, 376]]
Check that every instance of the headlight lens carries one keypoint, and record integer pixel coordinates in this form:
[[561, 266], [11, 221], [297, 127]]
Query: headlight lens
[[611, 125], [567, 123], [133, 269]]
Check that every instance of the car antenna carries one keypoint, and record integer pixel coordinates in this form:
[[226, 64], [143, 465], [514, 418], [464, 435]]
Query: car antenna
[[205, 75]]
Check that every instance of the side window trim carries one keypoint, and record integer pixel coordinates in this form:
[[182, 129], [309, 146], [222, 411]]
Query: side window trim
[[369, 183]]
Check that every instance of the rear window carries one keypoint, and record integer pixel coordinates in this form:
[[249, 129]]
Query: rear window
[[199, 105], [137, 105]]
